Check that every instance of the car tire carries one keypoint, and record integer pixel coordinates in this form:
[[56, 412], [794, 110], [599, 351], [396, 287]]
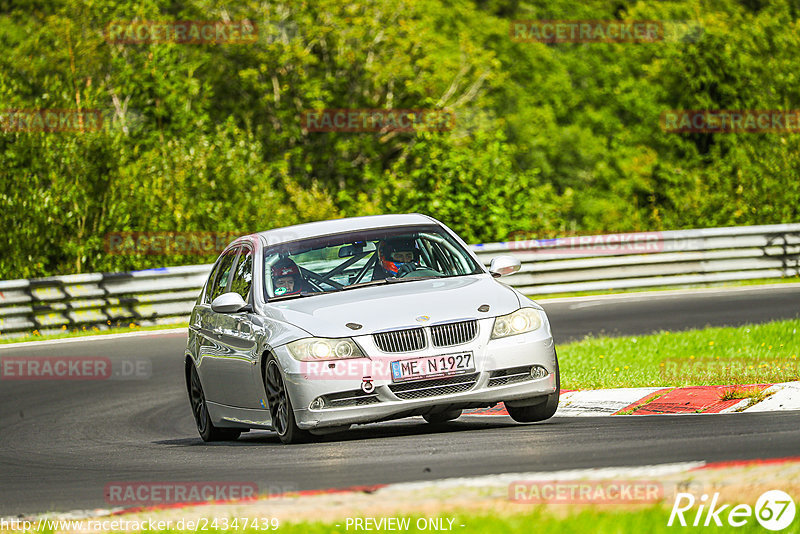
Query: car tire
[[442, 417], [202, 419], [540, 411], [280, 406]]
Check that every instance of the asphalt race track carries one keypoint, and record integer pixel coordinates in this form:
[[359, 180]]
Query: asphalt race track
[[61, 442]]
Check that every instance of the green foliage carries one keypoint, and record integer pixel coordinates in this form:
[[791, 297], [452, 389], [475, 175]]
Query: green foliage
[[472, 186], [547, 137]]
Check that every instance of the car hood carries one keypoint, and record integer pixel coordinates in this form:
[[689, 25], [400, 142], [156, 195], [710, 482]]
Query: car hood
[[397, 305]]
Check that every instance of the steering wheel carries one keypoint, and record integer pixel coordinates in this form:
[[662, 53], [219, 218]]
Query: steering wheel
[[420, 272]]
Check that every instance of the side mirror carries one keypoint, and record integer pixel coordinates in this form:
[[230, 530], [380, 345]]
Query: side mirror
[[503, 265], [231, 302]]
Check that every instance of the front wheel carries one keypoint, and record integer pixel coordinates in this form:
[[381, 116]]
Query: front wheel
[[205, 427], [280, 406], [539, 411]]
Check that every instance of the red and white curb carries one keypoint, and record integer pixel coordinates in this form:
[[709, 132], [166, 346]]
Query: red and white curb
[[421, 488], [672, 477], [668, 400], [784, 396]]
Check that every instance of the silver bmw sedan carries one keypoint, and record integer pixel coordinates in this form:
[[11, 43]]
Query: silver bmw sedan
[[309, 329]]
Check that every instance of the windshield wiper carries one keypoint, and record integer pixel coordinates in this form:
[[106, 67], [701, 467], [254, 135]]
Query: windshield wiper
[[414, 278], [297, 296], [365, 284]]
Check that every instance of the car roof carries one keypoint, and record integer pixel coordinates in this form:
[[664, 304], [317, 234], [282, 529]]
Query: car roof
[[338, 226]]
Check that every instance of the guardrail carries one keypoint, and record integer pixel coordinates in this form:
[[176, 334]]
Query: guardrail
[[153, 296], [580, 263], [650, 259]]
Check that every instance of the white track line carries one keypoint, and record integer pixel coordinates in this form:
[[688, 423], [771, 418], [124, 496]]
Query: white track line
[[100, 337], [699, 291]]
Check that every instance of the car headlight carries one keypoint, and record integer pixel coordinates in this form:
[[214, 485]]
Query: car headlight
[[319, 348], [521, 321]]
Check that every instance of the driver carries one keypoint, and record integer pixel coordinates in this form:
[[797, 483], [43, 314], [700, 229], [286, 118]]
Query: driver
[[398, 256], [285, 278]]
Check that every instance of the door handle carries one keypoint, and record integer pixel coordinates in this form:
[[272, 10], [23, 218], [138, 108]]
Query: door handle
[[243, 327]]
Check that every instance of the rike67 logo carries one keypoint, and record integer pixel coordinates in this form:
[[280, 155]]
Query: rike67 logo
[[774, 510]]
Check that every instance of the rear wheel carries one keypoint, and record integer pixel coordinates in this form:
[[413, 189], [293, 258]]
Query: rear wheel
[[442, 417], [205, 427], [538, 411], [280, 406]]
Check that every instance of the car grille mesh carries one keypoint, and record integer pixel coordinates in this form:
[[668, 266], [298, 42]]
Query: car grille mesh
[[450, 334], [413, 339], [419, 389], [349, 398], [401, 340], [509, 376]]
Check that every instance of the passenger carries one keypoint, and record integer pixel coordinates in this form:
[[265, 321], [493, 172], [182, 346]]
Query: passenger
[[286, 279]]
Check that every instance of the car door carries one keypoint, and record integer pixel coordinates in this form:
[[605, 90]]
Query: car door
[[212, 352], [238, 337]]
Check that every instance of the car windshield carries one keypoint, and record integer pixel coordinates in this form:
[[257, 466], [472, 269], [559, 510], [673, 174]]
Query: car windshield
[[359, 259]]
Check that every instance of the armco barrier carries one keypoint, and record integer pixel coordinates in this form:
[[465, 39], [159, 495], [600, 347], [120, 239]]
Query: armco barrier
[[583, 263], [153, 296], [677, 257]]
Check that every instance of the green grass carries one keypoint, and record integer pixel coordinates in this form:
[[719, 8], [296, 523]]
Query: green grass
[[742, 393], [556, 520], [89, 331], [763, 353], [737, 283]]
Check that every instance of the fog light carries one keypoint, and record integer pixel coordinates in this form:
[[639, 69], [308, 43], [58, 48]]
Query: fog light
[[537, 371], [317, 404]]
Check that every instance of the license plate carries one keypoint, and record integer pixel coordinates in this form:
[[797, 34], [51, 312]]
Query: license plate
[[433, 366]]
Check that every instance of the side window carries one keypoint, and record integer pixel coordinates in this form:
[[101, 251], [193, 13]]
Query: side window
[[243, 277], [223, 275], [210, 284]]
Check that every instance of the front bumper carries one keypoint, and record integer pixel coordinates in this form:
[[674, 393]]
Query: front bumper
[[501, 374]]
